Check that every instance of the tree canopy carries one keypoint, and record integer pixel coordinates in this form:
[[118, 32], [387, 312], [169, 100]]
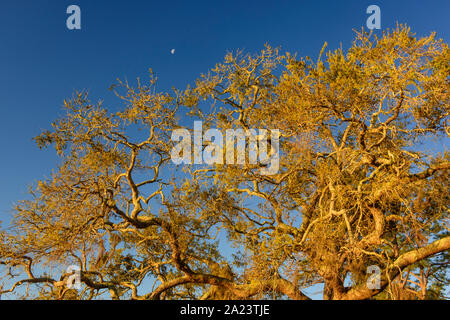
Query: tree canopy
[[357, 185]]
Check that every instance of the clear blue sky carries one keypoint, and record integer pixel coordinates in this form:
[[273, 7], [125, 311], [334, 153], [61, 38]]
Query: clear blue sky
[[42, 62]]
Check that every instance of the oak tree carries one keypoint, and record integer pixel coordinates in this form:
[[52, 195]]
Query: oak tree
[[358, 184]]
